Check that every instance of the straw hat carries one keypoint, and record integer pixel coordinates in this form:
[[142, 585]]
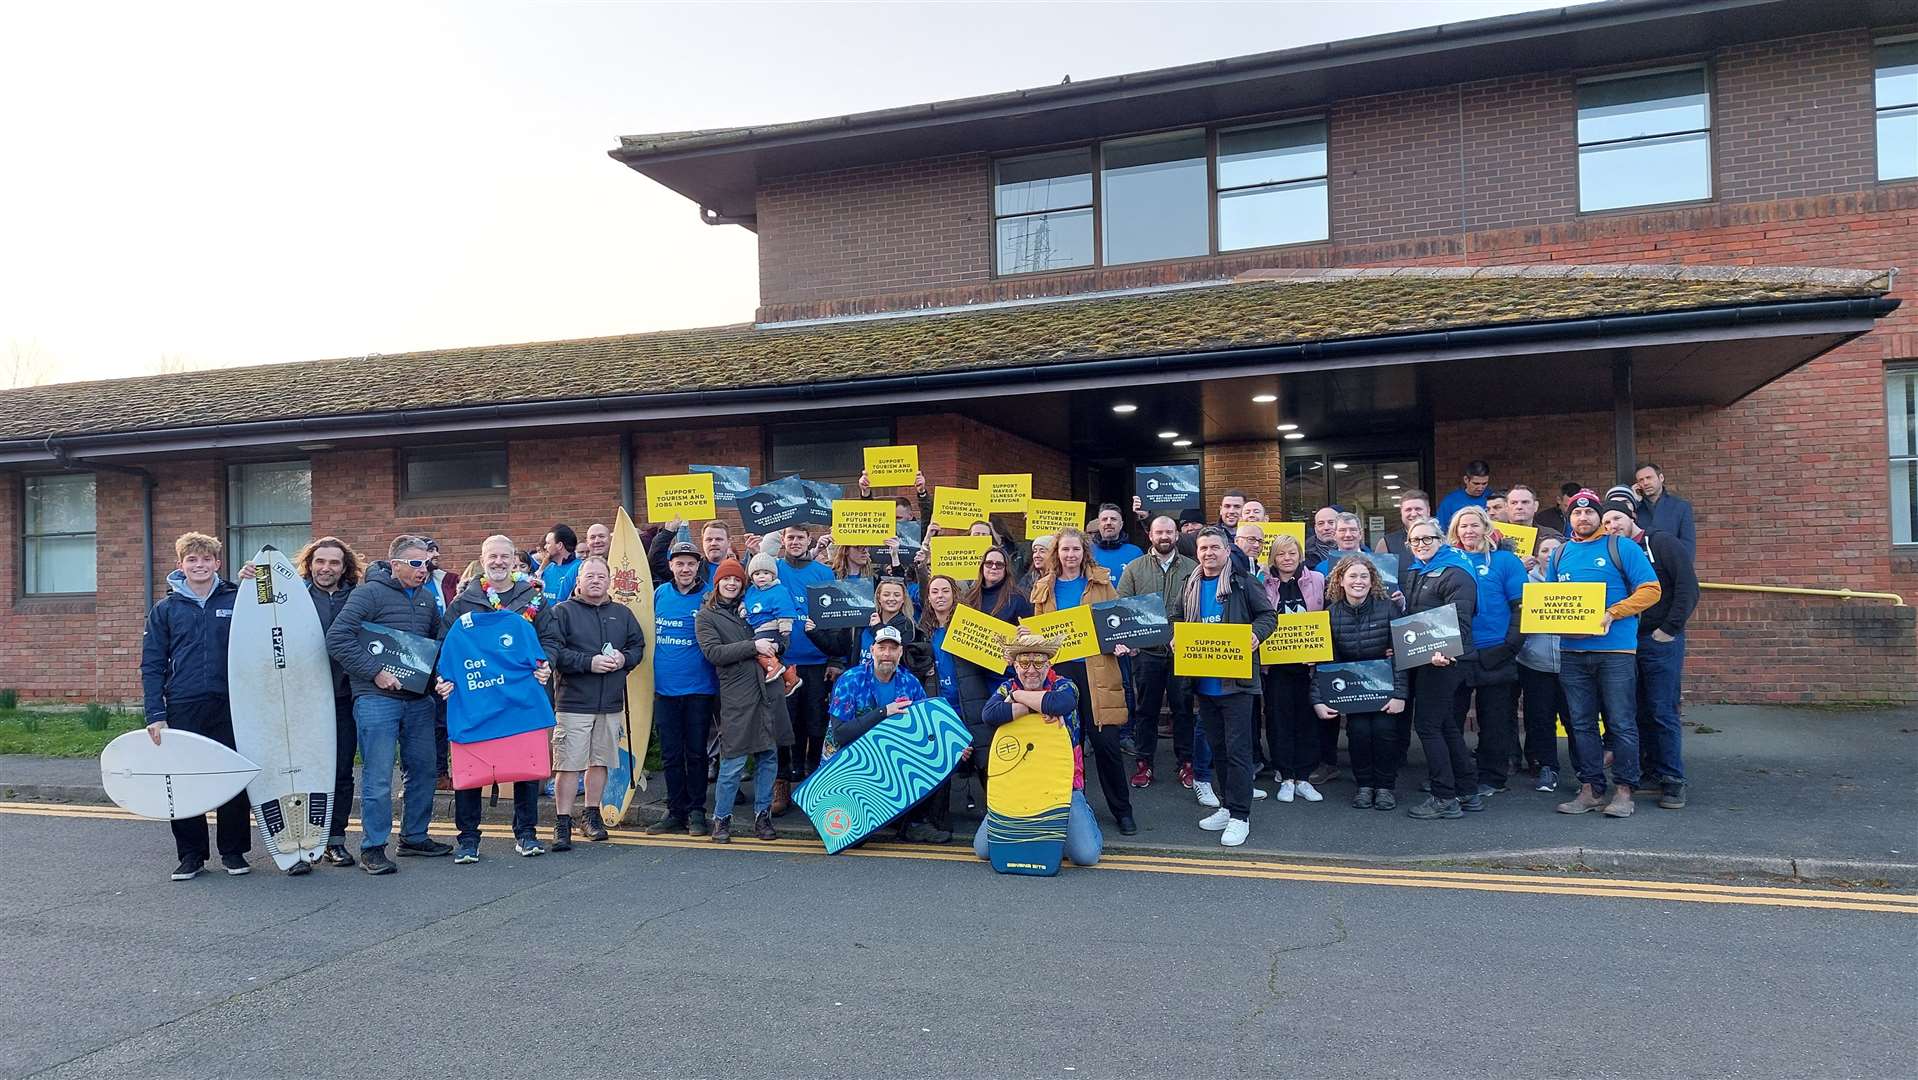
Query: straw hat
[[1028, 643]]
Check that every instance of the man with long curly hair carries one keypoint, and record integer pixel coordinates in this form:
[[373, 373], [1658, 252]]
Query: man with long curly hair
[[330, 568]]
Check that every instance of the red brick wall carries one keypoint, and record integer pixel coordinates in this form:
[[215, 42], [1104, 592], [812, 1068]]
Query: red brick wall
[[1394, 163], [1794, 117], [1793, 651], [1257, 468], [1521, 155]]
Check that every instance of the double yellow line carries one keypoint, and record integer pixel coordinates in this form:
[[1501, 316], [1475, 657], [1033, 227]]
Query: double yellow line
[[1247, 867]]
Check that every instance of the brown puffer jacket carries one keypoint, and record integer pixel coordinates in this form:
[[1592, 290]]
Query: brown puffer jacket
[[1102, 670]]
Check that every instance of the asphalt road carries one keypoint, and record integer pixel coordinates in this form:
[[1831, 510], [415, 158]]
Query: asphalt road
[[685, 961]]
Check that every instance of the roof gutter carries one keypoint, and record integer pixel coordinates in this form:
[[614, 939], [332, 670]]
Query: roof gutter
[[1353, 352]]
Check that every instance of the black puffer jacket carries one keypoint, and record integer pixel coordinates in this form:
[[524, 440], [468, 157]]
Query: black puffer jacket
[[1451, 584], [1364, 633]]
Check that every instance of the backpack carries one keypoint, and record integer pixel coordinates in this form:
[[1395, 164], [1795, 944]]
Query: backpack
[[1611, 548]]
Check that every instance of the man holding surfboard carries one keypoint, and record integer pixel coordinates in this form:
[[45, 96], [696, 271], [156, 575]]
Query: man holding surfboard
[[331, 569]]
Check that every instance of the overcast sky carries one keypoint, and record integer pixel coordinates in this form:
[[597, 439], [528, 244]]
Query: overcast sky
[[207, 184]]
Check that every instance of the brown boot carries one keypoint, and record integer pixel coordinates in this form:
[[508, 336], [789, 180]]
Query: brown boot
[[782, 797], [1586, 802], [723, 829], [763, 827], [1621, 804]]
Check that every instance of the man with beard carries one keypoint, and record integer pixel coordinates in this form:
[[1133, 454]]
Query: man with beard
[[1661, 644], [1161, 572], [1414, 506], [331, 569], [1110, 548]]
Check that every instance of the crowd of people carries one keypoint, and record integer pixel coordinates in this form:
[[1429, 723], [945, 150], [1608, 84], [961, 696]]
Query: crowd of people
[[746, 682]]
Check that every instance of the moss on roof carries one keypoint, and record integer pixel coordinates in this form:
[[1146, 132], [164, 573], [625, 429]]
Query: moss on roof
[[1282, 308]]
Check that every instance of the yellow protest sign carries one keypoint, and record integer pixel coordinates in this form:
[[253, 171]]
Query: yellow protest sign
[[1006, 493], [1562, 608], [957, 556], [1523, 537], [957, 507], [1047, 516], [1305, 638], [976, 636], [683, 498], [1220, 650], [867, 522], [1276, 529], [1073, 629], [891, 466]]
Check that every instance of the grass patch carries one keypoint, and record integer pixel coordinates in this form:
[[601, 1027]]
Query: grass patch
[[47, 733]]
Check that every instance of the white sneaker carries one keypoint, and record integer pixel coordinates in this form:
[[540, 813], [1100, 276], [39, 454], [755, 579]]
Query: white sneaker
[[1216, 821], [1236, 830], [1204, 793], [1308, 792], [1260, 793], [1285, 791]]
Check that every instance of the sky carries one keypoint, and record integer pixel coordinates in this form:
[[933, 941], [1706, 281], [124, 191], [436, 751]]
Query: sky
[[209, 184]]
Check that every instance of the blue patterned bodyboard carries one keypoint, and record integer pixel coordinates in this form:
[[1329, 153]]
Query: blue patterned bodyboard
[[883, 772]]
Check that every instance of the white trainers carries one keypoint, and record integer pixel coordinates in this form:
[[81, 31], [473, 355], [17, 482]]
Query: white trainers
[[1308, 792], [1260, 793], [1216, 821], [1204, 793], [1286, 790], [1236, 830]]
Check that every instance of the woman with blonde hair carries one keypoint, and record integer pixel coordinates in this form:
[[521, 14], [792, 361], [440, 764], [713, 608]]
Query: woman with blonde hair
[[1291, 727], [1493, 674], [1070, 578]]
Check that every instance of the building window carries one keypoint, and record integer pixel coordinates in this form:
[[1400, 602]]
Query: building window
[[1042, 212], [1153, 197], [1644, 139], [1901, 422], [438, 472], [833, 452], [1272, 185], [1897, 93], [59, 533], [268, 502]]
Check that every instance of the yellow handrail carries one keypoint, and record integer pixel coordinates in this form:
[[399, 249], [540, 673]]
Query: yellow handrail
[[1842, 594]]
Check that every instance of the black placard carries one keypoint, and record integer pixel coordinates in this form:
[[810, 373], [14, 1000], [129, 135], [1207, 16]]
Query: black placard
[[729, 481], [1387, 565], [771, 507], [1168, 489], [1361, 686], [405, 656], [1137, 622], [841, 605], [819, 497], [1418, 637]]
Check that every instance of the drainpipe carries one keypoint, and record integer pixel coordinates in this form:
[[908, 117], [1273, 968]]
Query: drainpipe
[[147, 484], [713, 217], [626, 472]]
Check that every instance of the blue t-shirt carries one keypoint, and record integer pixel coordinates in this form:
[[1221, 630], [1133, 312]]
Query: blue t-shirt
[[761, 606], [558, 579], [948, 671], [679, 668], [1456, 501], [1115, 559], [490, 657], [1068, 594], [1210, 610], [1501, 582], [801, 650], [1590, 560]]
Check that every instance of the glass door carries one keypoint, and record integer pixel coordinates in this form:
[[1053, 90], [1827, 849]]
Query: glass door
[[1362, 484]]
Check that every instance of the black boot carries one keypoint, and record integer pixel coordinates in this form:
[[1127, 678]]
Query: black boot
[[563, 832], [594, 826]]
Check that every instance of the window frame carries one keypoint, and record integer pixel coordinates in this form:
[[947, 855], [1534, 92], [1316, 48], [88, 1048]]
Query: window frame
[[1711, 143], [235, 554], [1094, 149], [1909, 371], [770, 432], [404, 454], [1879, 111], [26, 481]]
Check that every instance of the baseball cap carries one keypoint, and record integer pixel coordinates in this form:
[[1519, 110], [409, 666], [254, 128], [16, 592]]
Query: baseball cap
[[684, 547], [888, 633]]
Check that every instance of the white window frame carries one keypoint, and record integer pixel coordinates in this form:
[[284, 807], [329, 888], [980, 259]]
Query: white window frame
[[26, 562]]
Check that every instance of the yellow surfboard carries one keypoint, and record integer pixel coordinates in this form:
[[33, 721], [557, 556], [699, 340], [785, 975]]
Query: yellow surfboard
[[632, 586]]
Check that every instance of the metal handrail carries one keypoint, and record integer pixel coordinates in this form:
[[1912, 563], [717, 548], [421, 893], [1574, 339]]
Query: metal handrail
[[1842, 594]]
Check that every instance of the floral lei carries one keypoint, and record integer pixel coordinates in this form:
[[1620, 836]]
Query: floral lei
[[519, 577]]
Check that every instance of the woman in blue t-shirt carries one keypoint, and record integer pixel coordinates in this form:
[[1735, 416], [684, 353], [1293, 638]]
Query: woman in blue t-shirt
[[1492, 675]]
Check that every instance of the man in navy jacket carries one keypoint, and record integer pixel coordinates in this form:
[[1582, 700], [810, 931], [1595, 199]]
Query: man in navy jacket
[[1661, 511]]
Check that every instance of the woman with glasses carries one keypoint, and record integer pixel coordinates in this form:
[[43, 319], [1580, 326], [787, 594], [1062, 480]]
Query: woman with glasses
[[1493, 675], [1361, 617], [1439, 576]]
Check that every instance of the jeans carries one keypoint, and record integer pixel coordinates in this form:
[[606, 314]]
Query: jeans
[[1447, 763], [1103, 742], [681, 722], [1227, 722], [807, 708], [1157, 686], [1544, 705], [1084, 841], [390, 726], [346, 742], [232, 829], [1608, 681], [467, 803], [1201, 752], [1291, 727], [764, 774], [1497, 721], [1661, 678], [1372, 739]]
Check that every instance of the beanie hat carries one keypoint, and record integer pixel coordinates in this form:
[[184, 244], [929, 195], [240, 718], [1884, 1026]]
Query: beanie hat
[[763, 561], [1587, 499], [729, 567]]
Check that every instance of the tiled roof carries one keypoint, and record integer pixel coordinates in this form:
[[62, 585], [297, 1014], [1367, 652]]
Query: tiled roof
[[1264, 308]]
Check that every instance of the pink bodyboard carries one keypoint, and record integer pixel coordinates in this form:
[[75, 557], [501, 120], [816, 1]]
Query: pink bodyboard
[[527, 756]]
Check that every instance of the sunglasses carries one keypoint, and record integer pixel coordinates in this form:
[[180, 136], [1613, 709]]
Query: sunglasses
[[417, 564]]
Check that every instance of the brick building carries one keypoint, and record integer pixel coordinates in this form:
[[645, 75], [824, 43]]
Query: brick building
[[1560, 241]]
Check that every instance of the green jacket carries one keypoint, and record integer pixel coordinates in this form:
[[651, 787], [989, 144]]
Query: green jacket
[[1143, 577]]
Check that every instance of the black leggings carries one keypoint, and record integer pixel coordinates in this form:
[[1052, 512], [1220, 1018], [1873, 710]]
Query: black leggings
[[1291, 727], [1448, 764]]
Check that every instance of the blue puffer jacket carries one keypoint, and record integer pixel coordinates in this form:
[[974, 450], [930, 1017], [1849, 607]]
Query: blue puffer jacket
[[183, 651]]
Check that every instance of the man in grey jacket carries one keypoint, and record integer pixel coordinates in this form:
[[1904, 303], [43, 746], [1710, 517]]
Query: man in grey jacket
[[1161, 571]]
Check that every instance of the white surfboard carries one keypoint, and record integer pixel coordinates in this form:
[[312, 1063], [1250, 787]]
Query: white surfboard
[[185, 776], [280, 684]]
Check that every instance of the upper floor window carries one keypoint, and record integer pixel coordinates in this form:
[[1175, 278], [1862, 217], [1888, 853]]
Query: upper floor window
[[833, 452], [1171, 195], [1042, 207], [1897, 95], [429, 472], [58, 534], [268, 502], [1644, 139], [1901, 424]]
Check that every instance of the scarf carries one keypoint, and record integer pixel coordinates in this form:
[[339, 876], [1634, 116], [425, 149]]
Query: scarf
[[1189, 601]]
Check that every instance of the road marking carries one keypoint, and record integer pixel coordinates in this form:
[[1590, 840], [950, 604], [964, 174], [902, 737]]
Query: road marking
[[1248, 868]]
